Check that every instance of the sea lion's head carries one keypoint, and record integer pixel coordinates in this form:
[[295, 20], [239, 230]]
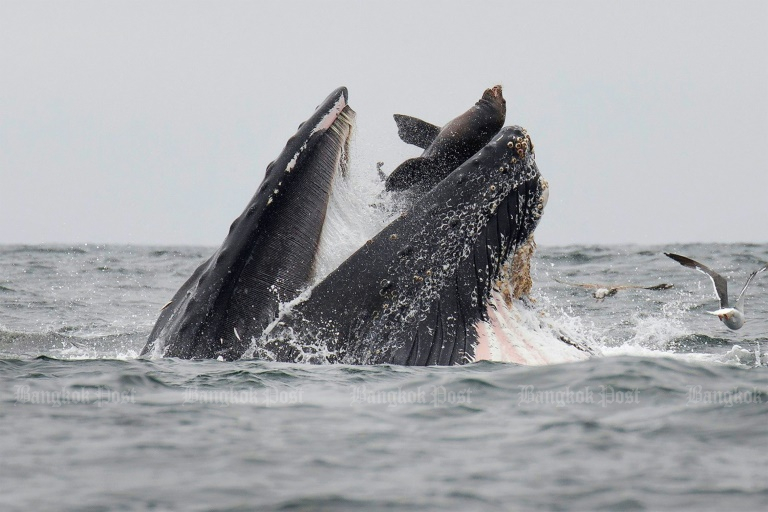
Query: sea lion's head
[[493, 98], [494, 95]]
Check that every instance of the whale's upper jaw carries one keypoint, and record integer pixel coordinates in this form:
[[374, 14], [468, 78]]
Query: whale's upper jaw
[[268, 255], [324, 117]]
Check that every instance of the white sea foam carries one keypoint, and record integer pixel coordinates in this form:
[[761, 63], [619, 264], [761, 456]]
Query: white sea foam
[[355, 214], [81, 353], [645, 332], [656, 332]]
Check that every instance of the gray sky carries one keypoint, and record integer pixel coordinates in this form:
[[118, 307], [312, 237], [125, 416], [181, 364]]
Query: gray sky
[[153, 122]]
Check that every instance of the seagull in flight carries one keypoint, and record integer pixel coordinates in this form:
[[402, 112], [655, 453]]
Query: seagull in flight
[[602, 291], [732, 317]]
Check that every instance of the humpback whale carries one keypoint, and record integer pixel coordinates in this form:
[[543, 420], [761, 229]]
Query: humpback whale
[[426, 290], [268, 256], [448, 147]]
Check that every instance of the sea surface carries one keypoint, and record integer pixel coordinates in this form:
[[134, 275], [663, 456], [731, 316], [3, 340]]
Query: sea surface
[[672, 415]]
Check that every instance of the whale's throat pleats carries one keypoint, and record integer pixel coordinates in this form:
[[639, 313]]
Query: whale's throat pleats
[[446, 334]]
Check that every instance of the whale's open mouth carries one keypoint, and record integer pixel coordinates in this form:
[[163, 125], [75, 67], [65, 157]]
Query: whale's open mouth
[[417, 293]]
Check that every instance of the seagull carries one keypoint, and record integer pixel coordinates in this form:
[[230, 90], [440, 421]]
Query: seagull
[[602, 291], [732, 317]]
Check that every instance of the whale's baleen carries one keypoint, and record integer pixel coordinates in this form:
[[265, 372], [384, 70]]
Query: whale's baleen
[[268, 256], [415, 293], [448, 147]]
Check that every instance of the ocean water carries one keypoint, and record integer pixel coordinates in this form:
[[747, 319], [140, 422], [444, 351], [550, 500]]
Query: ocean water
[[672, 415]]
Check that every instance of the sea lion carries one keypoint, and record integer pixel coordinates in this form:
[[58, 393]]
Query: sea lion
[[448, 147]]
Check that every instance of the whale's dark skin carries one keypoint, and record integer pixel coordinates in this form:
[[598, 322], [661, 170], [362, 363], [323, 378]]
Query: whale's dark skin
[[413, 294], [448, 147], [268, 256]]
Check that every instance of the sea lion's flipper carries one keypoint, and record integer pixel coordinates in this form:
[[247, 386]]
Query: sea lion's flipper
[[415, 172], [415, 131]]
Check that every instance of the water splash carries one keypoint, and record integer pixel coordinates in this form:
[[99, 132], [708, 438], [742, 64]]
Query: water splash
[[354, 216]]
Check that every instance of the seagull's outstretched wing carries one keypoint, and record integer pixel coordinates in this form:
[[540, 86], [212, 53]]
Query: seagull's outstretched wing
[[721, 285], [740, 300], [662, 286], [582, 285]]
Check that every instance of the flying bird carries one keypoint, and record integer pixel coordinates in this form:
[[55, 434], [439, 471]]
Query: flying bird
[[602, 291], [732, 317]]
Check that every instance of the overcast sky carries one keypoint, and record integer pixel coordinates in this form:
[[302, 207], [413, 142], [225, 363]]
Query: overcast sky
[[153, 122]]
